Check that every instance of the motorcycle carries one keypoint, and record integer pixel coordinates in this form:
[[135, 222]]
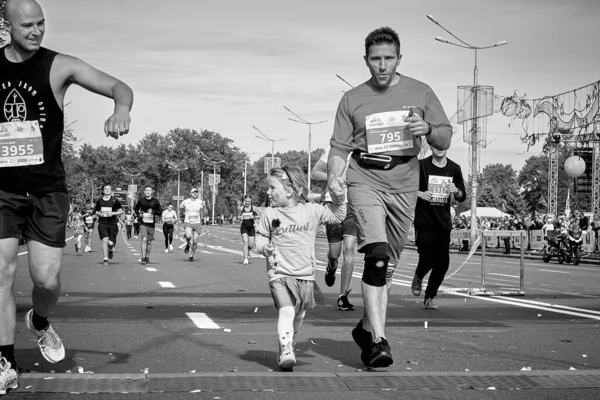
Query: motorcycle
[[573, 246], [554, 247]]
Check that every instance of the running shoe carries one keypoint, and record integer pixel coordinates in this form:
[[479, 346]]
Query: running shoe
[[147, 260], [111, 251], [187, 248], [362, 337], [429, 304], [286, 359], [342, 302], [245, 261], [171, 248], [330, 272], [143, 261], [379, 354], [48, 341], [417, 285], [8, 377], [105, 262], [166, 250], [87, 249], [191, 258]]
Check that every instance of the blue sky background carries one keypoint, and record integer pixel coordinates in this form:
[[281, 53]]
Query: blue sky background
[[227, 65]]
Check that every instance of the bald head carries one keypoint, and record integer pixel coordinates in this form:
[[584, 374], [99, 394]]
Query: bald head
[[24, 20], [15, 10]]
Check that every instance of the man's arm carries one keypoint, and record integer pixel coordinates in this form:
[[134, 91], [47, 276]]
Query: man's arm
[[319, 171], [119, 208], [68, 70], [440, 133]]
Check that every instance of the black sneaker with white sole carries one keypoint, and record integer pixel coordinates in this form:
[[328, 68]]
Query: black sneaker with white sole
[[379, 355], [342, 302], [330, 272]]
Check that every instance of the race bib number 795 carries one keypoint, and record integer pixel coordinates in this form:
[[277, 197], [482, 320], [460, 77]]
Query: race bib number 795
[[387, 131], [21, 144]]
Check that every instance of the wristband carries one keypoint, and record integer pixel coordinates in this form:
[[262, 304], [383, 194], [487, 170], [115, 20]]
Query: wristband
[[428, 131]]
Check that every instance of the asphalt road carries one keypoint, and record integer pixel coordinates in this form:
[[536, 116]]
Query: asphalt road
[[215, 315]]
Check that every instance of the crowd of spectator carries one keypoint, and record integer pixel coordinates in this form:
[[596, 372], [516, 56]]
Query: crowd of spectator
[[530, 222]]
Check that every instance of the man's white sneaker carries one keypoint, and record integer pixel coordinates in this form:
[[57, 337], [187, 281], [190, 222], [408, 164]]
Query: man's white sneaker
[[171, 247], [166, 250], [8, 377], [287, 359], [245, 261], [87, 249], [49, 343]]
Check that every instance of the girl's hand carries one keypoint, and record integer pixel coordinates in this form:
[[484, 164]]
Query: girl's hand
[[337, 190], [268, 250]]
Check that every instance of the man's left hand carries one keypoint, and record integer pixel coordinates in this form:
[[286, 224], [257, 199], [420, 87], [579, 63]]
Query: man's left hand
[[417, 126], [118, 124]]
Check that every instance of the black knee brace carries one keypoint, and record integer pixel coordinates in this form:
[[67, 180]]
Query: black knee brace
[[374, 275]]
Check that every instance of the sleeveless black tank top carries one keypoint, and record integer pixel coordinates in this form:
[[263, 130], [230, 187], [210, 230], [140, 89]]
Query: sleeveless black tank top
[[26, 95]]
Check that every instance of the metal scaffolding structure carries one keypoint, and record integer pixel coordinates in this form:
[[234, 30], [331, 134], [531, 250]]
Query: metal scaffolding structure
[[572, 118]]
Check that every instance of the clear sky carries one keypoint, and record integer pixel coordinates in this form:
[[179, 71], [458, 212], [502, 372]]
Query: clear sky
[[227, 65]]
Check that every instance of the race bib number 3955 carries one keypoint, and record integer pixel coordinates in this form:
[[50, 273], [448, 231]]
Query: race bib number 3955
[[21, 144], [387, 131]]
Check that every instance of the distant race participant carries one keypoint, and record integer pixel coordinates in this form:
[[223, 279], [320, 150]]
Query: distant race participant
[[108, 208], [128, 224], [34, 203], [193, 221], [89, 220], [78, 229], [247, 215], [169, 218], [136, 226], [147, 208], [341, 238]]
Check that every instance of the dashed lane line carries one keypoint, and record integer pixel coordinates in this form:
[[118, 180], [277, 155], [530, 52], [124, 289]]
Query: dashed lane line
[[202, 321]]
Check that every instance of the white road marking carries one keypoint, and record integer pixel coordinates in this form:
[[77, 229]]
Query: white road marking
[[558, 306], [513, 301], [556, 272], [510, 276], [151, 269], [202, 321], [166, 284]]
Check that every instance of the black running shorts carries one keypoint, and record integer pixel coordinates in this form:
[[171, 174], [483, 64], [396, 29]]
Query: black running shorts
[[108, 230], [248, 230], [41, 217]]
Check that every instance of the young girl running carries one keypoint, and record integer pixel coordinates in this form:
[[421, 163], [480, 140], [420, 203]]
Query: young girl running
[[286, 236], [78, 230]]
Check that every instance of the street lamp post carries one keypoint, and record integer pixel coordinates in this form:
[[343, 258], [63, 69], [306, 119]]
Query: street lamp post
[[214, 195], [301, 120], [474, 123], [176, 168], [245, 175], [265, 137], [132, 176]]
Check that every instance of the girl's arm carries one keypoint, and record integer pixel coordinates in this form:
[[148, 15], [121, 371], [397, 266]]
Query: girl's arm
[[335, 212]]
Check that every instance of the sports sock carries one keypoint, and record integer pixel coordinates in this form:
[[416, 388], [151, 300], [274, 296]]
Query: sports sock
[[39, 323], [8, 352]]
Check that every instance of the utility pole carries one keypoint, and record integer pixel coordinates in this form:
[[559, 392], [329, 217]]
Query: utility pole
[[301, 120], [474, 122], [214, 189], [174, 167], [132, 176], [265, 137]]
